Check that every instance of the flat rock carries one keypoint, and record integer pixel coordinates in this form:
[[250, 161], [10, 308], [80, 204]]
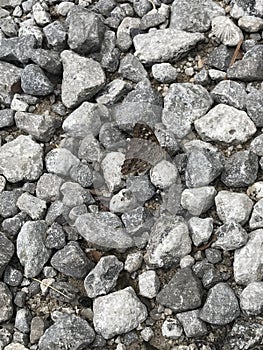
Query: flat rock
[[103, 229], [164, 45], [248, 259], [68, 332], [182, 293], [21, 159], [118, 313], [221, 306], [225, 124], [82, 78]]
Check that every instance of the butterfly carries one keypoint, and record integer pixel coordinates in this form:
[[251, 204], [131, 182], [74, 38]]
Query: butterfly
[[154, 202], [143, 150]]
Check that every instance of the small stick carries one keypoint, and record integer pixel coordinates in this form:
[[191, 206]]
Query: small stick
[[236, 53], [153, 4], [205, 246], [49, 286]]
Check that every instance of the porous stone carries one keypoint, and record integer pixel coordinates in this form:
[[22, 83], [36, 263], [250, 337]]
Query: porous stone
[[248, 259], [198, 200], [21, 159], [71, 261], [35, 82], [225, 124], [124, 303], [123, 201], [182, 293], [60, 161], [164, 45], [103, 278], [230, 236], [233, 206], [31, 249], [255, 191], [169, 241], [171, 328], [82, 78], [56, 237], [103, 229], [68, 332], [183, 104], [200, 229], [231, 93]]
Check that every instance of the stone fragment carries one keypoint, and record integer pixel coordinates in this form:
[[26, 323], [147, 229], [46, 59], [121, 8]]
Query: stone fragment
[[131, 68], [7, 250], [230, 236], [60, 161], [231, 93], [56, 34], [111, 167], [10, 76], [171, 328], [123, 201], [124, 39], [33, 206], [250, 24], [35, 82], [251, 298], [6, 309], [192, 325], [254, 107], [149, 284], [164, 73], [200, 229], [6, 118], [48, 187], [198, 200]]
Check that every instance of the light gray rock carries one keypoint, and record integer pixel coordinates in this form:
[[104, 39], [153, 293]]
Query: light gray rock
[[183, 104], [103, 278], [33, 206], [9, 76], [72, 261], [225, 30], [31, 249], [124, 303], [200, 229], [255, 191], [123, 201], [171, 328], [233, 206], [56, 35], [23, 320], [41, 127], [48, 187], [7, 251], [250, 24], [169, 241], [198, 200], [256, 220], [182, 293], [35, 82], [124, 40], [251, 298], [149, 284], [249, 69], [113, 92], [133, 261], [111, 167], [164, 73], [231, 93], [110, 54], [6, 118], [73, 194], [254, 107], [248, 259], [225, 124], [194, 16], [164, 174], [221, 306], [90, 149], [192, 325], [82, 78], [164, 45], [83, 120], [40, 15], [86, 30], [21, 159], [103, 229], [230, 236], [131, 68], [6, 310], [17, 49], [68, 332], [154, 18], [59, 161]]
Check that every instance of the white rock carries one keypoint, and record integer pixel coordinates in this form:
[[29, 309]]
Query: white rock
[[147, 333], [198, 200], [41, 16], [226, 31], [149, 284], [186, 261], [133, 262], [250, 24], [111, 167], [123, 201], [201, 229], [255, 191], [256, 220], [171, 328], [163, 174], [251, 299]]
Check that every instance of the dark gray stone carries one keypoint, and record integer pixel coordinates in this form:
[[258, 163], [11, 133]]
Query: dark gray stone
[[104, 7], [152, 19], [86, 30], [182, 293], [17, 49], [213, 256], [11, 226], [68, 332], [231, 93], [202, 77], [240, 169], [12, 276], [141, 7], [255, 108], [111, 136], [211, 277], [7, 250], [82, 173], [72, 261], [6, 310], [70, 292], [47, 60], [56, 237], [141, 187], [31, 249], [253, 8], [8, 201], [35, 82], [250, 69], [41, 127], [113, 92], [203, 166], [103, 278], [132, 69], [221, 306], [220, 57]]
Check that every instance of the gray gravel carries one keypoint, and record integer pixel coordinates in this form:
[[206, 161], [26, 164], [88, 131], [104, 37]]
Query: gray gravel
[[131, 192]]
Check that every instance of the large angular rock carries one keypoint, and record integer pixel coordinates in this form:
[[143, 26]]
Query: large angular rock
[[103, 229], [169, 241], [182, 293], [86, 30], [164, 45], [68, 332], [249, 69], [31, 249], [221, 306], [17, 49], [118, 313], [21, 159], [183, 104], [225, 124], [248, 260], [82, 78], [251, 298]]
